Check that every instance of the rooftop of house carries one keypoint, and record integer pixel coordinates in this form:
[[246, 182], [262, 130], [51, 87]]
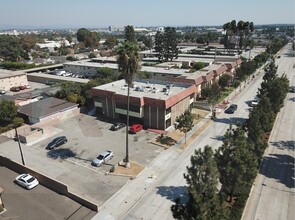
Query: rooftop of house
[[45, 107]]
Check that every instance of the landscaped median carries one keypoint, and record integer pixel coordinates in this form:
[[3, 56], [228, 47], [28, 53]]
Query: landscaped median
[[133, 171], [168, 139]]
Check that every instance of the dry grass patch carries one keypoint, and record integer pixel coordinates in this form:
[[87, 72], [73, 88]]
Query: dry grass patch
[[133, 171]]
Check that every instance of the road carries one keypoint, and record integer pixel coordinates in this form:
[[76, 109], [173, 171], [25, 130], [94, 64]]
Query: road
[[151, 195], [272, 195]]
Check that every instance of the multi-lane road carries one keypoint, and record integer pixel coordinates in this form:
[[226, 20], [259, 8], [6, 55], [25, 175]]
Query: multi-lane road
[[151, 195], [273, 194]]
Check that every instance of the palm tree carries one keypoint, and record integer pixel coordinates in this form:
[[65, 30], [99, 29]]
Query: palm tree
[[128, 61]]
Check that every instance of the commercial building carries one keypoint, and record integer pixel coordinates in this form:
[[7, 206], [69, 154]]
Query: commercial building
[[153, 103]]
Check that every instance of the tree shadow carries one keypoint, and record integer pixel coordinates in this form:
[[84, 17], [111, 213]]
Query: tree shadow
[[231, 120], [218, 137], [61, 153], [279, 167], [166, 140], [78, 157], [288, 145], [248, 102], [173, 192]]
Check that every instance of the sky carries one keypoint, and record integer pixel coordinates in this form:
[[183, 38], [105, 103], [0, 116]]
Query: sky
[[142, 13]]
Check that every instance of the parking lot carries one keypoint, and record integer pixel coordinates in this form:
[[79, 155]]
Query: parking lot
[[38, 203], [71, 163]]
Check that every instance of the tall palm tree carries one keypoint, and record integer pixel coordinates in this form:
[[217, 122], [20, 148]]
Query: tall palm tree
[[128, 61]]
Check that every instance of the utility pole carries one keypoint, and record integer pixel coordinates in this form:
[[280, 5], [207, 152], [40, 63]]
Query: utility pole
[[20, 148]]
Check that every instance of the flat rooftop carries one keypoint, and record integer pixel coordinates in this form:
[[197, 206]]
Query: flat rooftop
[[152, 69], [9, 73], [152, 88], [202, 72], [63, 78]]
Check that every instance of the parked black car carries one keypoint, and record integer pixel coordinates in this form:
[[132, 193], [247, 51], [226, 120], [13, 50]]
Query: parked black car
[[56, 142], [231, 109], [117, 126]]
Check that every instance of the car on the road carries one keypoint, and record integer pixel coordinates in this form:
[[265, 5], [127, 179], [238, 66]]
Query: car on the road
[[15, 89], [26, 180], [2, 91], [231, 109], [117, 126], [135, 128], [292, 89], [102, 158], [56, 142]]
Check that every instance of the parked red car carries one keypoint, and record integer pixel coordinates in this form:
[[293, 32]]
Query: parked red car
[[22, 87], [135, 128]]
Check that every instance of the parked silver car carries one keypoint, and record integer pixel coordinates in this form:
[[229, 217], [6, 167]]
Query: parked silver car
[[102, 158]]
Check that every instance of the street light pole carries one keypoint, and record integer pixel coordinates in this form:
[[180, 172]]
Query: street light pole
[[20, 148]]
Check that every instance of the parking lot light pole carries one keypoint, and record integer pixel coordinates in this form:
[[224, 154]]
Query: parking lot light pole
[[20, 148]]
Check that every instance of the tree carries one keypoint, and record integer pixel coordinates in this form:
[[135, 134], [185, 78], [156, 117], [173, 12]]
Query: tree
[[274, 87], [224, 80], [236, 32], [236, 162], [92, 40], [159, 45], [128, 61], [10, 48], [110, 42], [62, 50], [68, 88], [82, 33], [202, 178], [198, 65], [69, 38], [170, 49], [91, 56], [205, 92], [8, 110], [28, 42], [185, 122], [129, 34], [106, 72], [214, 95], [148, 42]]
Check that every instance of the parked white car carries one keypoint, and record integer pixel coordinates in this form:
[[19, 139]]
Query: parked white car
[[26, 180], [102, 158]]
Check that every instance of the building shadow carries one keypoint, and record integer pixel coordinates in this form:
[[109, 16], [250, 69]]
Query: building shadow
[[173, 192], [279, 167]]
